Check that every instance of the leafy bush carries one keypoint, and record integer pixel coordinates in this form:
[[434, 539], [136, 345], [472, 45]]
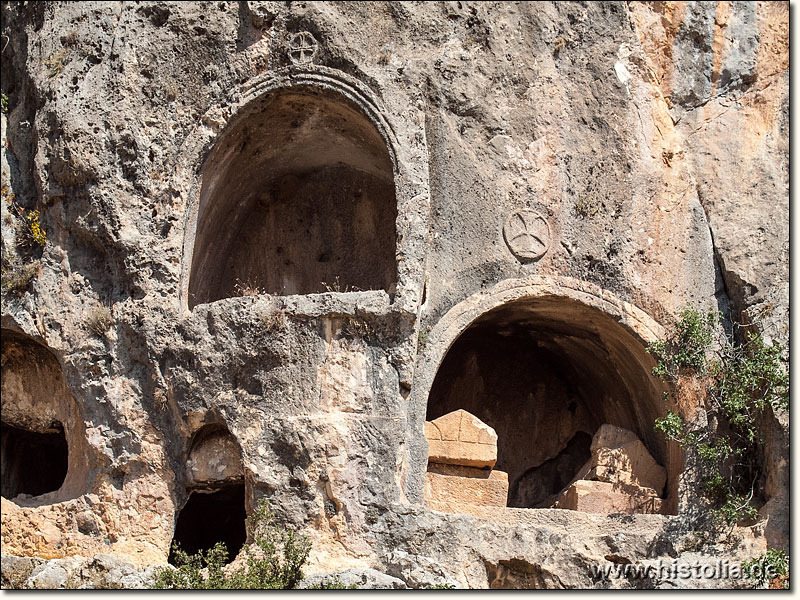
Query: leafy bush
[[741, 382], [772, 566], [272, 562]]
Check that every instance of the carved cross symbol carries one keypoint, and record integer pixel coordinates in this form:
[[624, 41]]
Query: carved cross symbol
[[302, 48], [527, 234]]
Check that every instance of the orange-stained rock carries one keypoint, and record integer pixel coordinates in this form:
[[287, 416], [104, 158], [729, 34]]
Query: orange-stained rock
[[609, 498], [474, 486], [459, 438]]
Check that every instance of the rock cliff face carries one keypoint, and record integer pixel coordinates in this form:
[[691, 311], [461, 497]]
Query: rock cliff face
[[268, 223]]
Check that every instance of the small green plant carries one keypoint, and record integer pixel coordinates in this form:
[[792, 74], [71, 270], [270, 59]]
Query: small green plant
[[772, 566], [99, 320], [741, 381], [442, 586], [4, 103], [273, 561]]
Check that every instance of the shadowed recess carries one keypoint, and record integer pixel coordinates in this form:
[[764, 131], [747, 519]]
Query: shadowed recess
[[32, 462], [211, 517], [297, 197], [545, 373], [43, 441]]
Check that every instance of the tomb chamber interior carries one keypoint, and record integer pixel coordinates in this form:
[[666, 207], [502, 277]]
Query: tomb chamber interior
[[545, 373], [41, 431], [297, 197], [215, 509], [212, 516], [33, 462]]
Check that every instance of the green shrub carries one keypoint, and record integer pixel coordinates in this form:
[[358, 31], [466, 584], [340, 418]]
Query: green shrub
[[772, 566], [741, 382], [273, 561]]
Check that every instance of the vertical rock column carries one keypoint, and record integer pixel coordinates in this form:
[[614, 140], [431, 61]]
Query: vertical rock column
[[462, 452]]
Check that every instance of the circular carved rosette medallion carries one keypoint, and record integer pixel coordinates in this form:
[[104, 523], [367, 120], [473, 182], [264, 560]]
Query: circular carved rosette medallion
[[527, 234], [302, 48]]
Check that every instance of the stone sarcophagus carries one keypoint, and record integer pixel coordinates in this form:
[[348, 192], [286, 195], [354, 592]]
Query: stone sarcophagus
[[462, 452]]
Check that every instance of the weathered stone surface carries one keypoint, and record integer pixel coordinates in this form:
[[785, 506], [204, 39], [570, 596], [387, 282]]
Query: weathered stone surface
[[214, 459], [362, 579], [618, 456], [490, 489], [609, 498], [652, 137], [611, 436], [459, 438], [95, 572]]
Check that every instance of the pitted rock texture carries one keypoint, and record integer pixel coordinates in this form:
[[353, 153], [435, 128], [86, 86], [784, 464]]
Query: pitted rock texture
[[652, 138]]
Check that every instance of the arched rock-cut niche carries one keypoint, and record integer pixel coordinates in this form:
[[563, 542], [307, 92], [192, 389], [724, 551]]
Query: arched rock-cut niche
[[297, 197], [42, 438], [215, 507], [545, 373]]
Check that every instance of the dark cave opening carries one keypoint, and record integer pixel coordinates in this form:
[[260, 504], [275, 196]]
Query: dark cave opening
[[545, 374], [33, 463], [212, 516]]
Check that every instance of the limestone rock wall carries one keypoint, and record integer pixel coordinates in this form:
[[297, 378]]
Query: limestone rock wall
[[631, 157]]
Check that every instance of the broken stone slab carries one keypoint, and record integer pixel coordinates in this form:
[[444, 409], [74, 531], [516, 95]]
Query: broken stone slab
[[609, 498], [619, 456], [466, 485], [460, 438], [611, 436]]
